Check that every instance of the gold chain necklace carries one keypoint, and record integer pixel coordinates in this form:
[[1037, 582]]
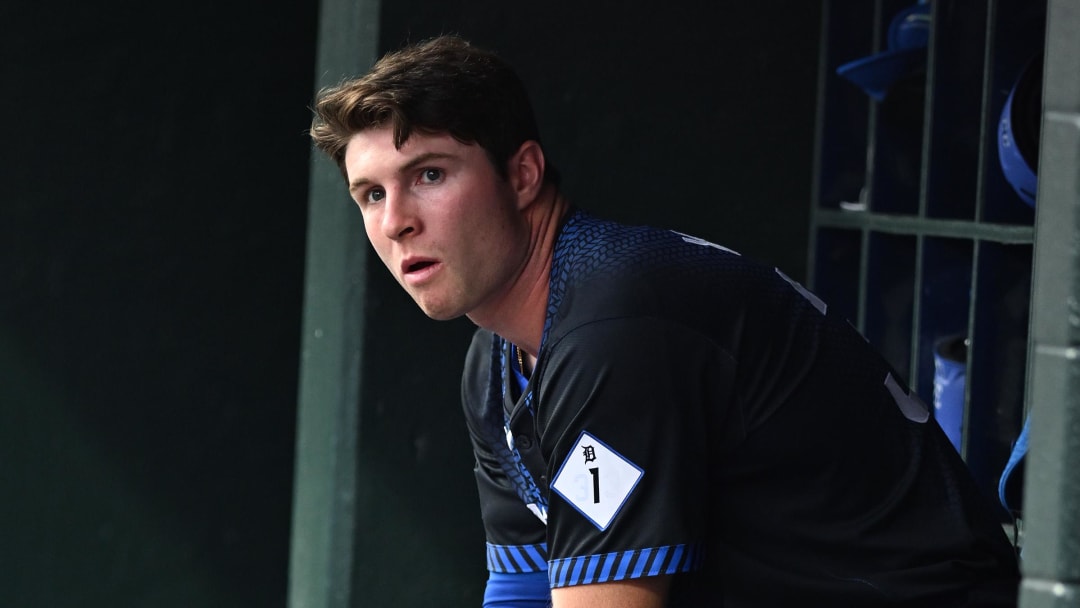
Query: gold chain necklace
[[521, 360]]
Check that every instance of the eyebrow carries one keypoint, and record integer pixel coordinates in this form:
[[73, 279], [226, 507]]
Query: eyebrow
[[408, 167]]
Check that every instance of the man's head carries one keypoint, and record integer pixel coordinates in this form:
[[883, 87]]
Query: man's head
[[443, 85]]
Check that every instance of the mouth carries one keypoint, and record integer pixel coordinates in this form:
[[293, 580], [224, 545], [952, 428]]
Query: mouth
[[418, 266], [418, 270]]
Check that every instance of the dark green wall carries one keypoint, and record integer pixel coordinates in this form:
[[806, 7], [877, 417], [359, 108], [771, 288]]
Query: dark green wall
[[152, 209], [152, 218]]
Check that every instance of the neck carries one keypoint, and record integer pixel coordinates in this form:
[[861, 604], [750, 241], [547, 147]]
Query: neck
[[519, 315]]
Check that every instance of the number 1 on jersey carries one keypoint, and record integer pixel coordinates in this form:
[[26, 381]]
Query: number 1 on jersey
[[582, 463]]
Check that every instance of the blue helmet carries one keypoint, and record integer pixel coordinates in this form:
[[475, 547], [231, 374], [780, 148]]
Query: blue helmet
[[1018, 131]]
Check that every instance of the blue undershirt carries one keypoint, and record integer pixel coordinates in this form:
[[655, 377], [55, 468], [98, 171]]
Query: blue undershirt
[[517, 590]]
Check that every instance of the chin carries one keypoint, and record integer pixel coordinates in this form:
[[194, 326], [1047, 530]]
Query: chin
[[439, 314]]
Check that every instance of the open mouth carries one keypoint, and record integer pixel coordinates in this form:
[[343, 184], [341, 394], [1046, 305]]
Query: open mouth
[[418, 266]]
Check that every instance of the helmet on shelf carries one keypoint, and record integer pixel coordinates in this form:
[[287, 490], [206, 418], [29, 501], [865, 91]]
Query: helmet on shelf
[[908, 38], [1018, 131]]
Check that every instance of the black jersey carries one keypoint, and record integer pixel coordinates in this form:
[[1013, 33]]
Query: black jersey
[[695, 413]]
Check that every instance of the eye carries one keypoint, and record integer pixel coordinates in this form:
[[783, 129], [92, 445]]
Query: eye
[[374, 195], [431, 175]]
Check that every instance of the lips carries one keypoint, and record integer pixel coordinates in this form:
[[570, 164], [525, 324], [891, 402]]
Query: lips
[[418, 266], [416, 269]]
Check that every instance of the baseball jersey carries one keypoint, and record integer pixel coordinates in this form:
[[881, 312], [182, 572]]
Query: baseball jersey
[[697, 414]]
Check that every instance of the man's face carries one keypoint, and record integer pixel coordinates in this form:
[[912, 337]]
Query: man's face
[[439, 216]]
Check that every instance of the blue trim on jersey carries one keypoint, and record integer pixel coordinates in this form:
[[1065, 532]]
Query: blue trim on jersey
[[623, 565], [517, 590], [496, 423], [560, 268], [517, 558]]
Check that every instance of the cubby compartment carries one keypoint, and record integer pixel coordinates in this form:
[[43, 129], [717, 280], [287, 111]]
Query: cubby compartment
[[843, 119], [890, 297], [944, 303], [957, 67], [1016, 39], [897, 148], [937, 245], [838, 255], [999, 339]]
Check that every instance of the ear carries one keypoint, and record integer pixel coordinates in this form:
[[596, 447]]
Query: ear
[[525, 171]]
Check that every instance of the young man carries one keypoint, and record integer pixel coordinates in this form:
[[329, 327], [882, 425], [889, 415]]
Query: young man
[[656, 419]]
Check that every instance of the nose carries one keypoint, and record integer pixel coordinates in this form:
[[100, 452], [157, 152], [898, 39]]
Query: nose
[[398, 217]]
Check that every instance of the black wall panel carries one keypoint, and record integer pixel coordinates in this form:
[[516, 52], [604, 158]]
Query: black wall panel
[[152, 214]]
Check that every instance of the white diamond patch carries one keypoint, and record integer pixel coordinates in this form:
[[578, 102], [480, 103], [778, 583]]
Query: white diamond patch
[[596, 480]]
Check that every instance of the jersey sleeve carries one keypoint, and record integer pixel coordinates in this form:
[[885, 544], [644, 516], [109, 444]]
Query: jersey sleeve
[[625, 408], [516, 538]]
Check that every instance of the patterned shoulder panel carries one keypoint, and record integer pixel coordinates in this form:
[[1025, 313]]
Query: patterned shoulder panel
[[585, 244], [589, 248], [643, 258]]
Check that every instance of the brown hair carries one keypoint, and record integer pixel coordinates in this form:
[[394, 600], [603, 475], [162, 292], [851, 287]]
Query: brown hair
[[442, 85]]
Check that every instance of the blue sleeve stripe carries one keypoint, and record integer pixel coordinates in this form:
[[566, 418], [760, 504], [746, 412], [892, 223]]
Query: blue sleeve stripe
[[642, 559], [605, 570], [605, 567], [579, 563], [555, 571], [562, 572], [624, 561], [517, 558], [658, 561], [677, 554], [591, 566]]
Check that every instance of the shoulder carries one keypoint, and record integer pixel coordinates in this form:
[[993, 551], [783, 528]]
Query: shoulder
[[609, 265], [605, 269]]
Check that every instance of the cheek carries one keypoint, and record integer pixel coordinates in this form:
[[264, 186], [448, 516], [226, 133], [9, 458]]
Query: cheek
[[378, 242], [499, 246]]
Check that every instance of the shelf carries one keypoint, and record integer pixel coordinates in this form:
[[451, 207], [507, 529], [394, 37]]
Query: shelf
[[914, 225]]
